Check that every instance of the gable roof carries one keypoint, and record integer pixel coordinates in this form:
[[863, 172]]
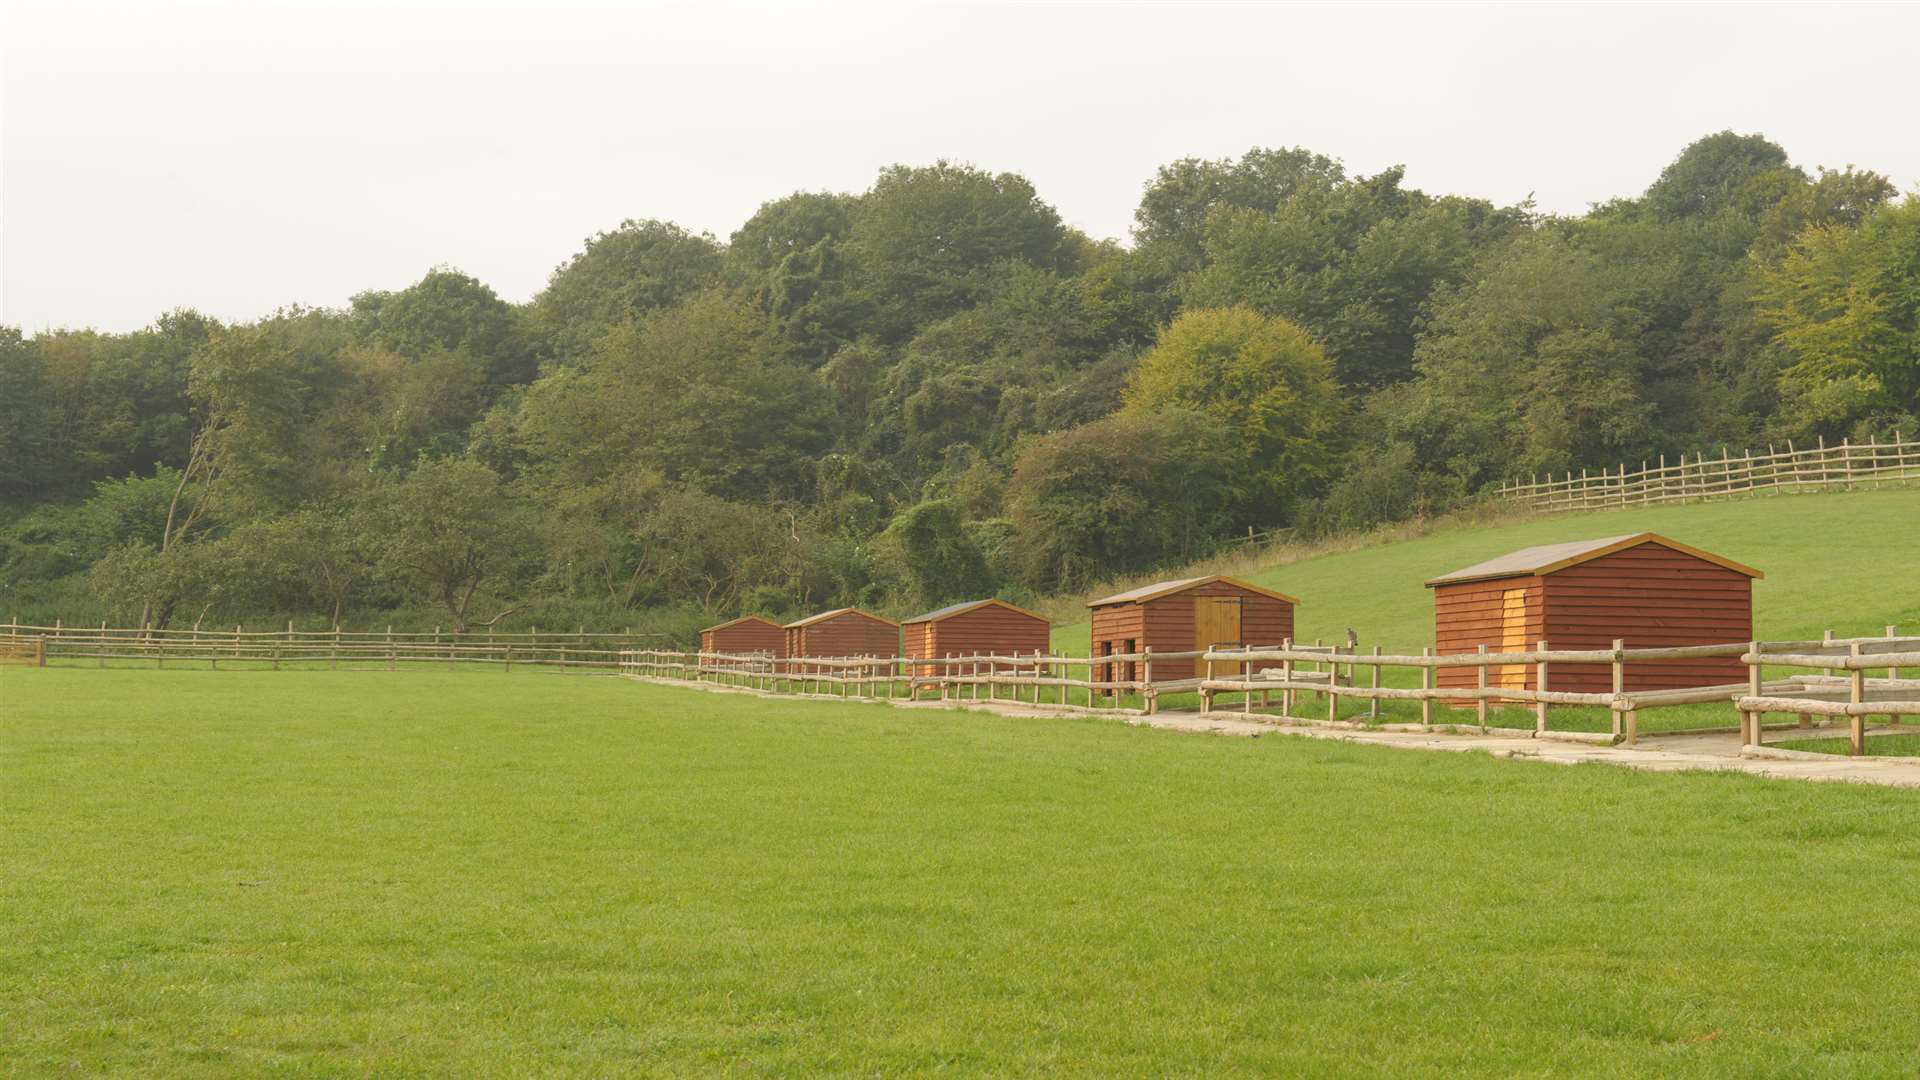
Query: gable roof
[[835, 613], [1548, 558], [969, 605], [738, 621], [1168, 588]]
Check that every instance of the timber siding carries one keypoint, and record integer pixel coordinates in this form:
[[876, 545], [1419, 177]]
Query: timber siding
[[991, 627], [1163, 620], [1648, 594], [847, 632], [749, 634]]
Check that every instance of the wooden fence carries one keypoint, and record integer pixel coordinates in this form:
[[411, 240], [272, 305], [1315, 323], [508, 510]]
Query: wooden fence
[[335, 648], [1854, 695], [1260, 678], [1817, 468]]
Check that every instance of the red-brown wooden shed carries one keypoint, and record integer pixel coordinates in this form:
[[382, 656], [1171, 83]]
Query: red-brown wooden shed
[[974, 628], [1183, 616], [843, 632], [745, 635], [1645, 589]]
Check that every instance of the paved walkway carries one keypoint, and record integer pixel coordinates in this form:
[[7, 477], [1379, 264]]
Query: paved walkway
[[1717, 751]]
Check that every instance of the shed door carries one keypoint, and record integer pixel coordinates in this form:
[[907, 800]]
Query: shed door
[[1216, 621], [1513, 638]]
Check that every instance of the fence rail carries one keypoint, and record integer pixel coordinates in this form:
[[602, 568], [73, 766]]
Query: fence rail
[[1816, 468], [1854, 696], [332, 648]]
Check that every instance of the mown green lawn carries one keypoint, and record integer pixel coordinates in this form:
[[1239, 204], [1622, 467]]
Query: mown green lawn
[[1833, 561], [1877, 746], [476, 873]]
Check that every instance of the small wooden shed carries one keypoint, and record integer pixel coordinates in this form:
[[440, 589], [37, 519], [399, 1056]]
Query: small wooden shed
[[975, 627], [1184, 616], [1648, 590], [843, 632], [745, 635]]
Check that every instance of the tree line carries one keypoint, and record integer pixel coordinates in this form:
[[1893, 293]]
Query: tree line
[[935, 390]]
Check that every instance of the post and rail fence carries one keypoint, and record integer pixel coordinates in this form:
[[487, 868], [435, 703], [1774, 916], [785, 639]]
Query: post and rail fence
[[1839, 687], [335, 648], [1701, 478]]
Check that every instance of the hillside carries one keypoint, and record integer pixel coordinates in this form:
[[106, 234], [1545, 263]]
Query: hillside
[[1841, 561]]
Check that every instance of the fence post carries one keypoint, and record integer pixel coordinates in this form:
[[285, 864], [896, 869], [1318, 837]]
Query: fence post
[[39, 650], [1619, 682], [389, 646], [1426, 684], [1856, 695], [1150, 699], [103, 642], [1540, 684], [1480, 703], [1206, 692], [1286, 676], [1893, 673], [1333, 688], [1373, 704], [1750, 720]]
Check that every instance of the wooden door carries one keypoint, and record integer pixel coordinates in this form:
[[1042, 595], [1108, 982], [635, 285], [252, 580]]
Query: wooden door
[[1513, 638], [1216, 621]]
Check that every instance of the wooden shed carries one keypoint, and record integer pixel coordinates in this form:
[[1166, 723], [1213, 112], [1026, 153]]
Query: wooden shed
[[975, 627], [745, 635], [1183, 616], [1645, 589], [843, 632]]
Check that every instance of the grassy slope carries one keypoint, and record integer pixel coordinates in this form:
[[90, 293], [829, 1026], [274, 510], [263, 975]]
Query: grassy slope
[[471, 873], [1840, 561]]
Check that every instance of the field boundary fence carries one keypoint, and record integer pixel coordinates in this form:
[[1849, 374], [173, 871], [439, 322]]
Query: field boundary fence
[[1702, 478], [336, 648], [1250, 681]]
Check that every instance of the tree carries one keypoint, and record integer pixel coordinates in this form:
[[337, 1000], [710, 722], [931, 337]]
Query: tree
[[451, 533], [1263, 382], [449, 312], [692, 393], [1123, 494], [1709, 173], [927, 242], [635, 270], [1846, 304], [935, 554], [1170, 221]]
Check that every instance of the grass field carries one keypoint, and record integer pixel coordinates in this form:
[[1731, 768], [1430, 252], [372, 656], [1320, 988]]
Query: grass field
[[474, 873], [1838, 561]]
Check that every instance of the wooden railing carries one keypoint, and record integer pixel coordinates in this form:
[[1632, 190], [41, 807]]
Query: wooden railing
[[308, 648], [1817, 468], [1853, 696]]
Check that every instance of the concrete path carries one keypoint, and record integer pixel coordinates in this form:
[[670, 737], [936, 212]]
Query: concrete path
[[1717, 751]]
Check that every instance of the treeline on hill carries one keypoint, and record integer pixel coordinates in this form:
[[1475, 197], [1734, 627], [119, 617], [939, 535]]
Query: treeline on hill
[[935, 390]]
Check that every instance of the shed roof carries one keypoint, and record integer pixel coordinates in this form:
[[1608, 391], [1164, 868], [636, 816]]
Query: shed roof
[[1168, 588], [1548, 558], [738, 621], [965, 606], [835, 613]]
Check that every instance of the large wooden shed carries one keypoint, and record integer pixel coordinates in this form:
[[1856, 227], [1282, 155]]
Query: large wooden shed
[[843, 632], [973, 628], [746, 635], [1645, 589], [1184, 616]]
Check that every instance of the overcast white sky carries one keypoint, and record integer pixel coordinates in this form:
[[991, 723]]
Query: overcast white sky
[[238, 156]]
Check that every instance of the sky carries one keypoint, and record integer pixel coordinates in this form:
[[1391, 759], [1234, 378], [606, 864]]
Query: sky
[[237, 157]]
